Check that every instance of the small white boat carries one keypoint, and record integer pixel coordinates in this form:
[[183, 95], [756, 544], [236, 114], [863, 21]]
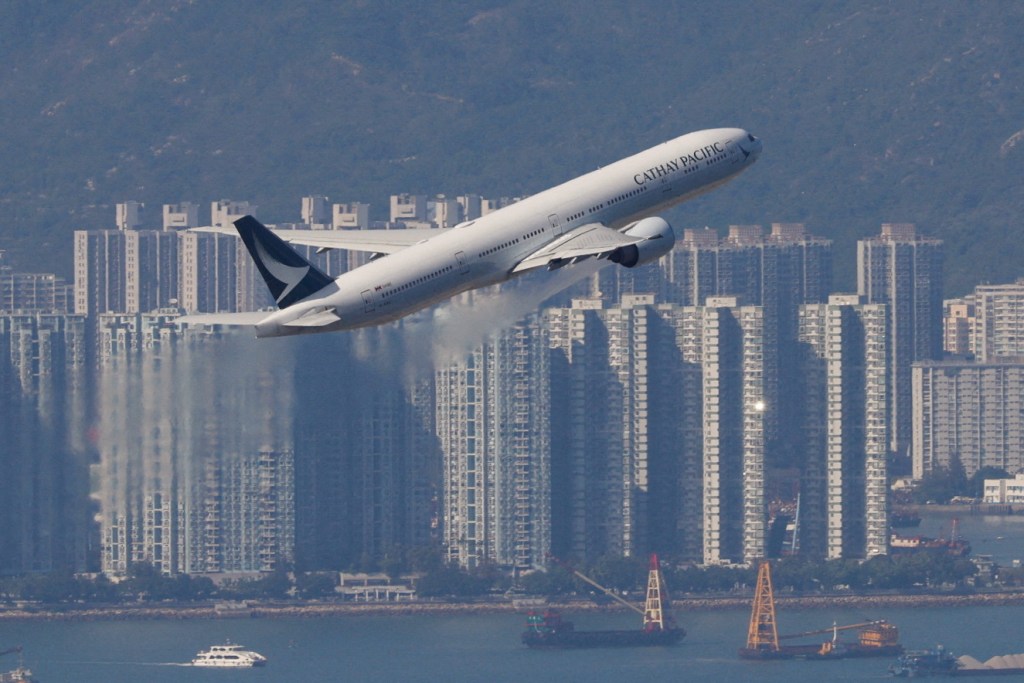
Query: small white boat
[[229, 655]]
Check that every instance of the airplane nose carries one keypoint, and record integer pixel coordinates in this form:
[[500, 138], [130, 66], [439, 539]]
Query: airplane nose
[[753, 145]]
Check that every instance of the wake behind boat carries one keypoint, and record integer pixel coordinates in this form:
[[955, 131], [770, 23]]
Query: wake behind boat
[[229, 655]]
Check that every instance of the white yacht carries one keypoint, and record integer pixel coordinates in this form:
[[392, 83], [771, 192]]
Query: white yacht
[[229, 655]]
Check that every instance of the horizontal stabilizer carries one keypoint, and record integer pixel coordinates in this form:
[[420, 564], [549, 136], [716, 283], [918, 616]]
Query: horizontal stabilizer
[[249, 318]]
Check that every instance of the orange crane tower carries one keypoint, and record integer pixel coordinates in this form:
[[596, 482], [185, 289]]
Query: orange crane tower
[[762, 634], [877, 638]]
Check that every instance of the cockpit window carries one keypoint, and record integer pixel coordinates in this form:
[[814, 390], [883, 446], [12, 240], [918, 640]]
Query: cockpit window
[[751, 137]]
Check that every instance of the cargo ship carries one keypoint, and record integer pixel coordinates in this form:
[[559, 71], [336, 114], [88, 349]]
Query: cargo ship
[[954, 545], [550, 630], [874, 639]]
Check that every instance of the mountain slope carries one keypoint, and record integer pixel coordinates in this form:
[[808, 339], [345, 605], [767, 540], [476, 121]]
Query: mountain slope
[[871, 113]]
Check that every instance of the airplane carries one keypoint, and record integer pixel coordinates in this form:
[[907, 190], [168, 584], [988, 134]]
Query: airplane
[[607, 214]]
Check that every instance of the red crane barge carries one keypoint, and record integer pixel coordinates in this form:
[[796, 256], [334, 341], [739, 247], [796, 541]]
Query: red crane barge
[[550, 630]]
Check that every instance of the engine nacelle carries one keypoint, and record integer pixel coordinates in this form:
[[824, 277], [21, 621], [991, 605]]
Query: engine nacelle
[[660, 239]]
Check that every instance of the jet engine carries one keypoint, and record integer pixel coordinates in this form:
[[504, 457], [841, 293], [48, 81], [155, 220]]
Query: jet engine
[[660, 239]]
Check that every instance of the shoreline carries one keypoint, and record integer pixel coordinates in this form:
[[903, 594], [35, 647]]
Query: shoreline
[[319, 610]]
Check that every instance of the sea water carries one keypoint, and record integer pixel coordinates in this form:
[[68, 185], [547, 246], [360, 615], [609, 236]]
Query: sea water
[[485, 647], [478, 647]]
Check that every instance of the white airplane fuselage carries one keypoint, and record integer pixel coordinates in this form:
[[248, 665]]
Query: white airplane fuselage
[[486, 250]]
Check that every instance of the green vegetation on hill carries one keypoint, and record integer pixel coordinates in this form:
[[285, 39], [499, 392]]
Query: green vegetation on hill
[[871, 112]]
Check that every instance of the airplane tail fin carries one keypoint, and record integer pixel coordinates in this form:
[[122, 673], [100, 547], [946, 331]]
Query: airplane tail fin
[[289, 277]]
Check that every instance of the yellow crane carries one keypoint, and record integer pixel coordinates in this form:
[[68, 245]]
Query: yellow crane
[[762, 634]]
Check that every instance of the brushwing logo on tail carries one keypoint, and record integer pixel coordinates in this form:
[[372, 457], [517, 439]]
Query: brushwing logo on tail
[[290, 276]]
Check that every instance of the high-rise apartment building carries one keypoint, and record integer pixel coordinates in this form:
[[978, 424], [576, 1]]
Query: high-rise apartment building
[[34, 293], [987, 324], [130, 215], [959, 326], [681, 373], [663, 429], [181, 216], [844, 407], [733, 364], [208, 280], [125, 271], [316, 212], [225, 212], [493, 424], [584, 429], [194, 438], [352, 216], [691, 268], [151, 270], [444, 212], [43, 449], [628, 396], [904, 270], [409, 209], [971, 413], [367, 461], [784, 269], [471, 206], [626, 467], [100, 272], [999, 328], [779, 271]]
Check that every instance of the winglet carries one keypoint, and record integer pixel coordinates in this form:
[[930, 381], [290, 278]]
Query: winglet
[[289, 277]]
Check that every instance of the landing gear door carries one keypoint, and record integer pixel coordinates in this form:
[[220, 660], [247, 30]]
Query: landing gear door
[[368, 301]]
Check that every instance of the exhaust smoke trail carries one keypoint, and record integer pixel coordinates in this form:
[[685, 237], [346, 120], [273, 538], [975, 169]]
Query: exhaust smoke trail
[[443, 334]]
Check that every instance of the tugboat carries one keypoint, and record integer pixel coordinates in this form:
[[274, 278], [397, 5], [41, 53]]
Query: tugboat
[[18, 675], [229, 655], [925, 663], [942, 662]]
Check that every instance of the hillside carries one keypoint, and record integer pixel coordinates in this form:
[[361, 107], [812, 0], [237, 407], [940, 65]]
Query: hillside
[[870, 112]]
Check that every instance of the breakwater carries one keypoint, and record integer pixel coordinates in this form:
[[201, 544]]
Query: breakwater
[[330, 609]]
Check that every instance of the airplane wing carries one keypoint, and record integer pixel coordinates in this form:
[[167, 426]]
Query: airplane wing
[[375, 241], [592, 240]]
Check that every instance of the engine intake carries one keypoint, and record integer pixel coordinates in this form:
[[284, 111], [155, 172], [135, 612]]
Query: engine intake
[[659, 241]]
